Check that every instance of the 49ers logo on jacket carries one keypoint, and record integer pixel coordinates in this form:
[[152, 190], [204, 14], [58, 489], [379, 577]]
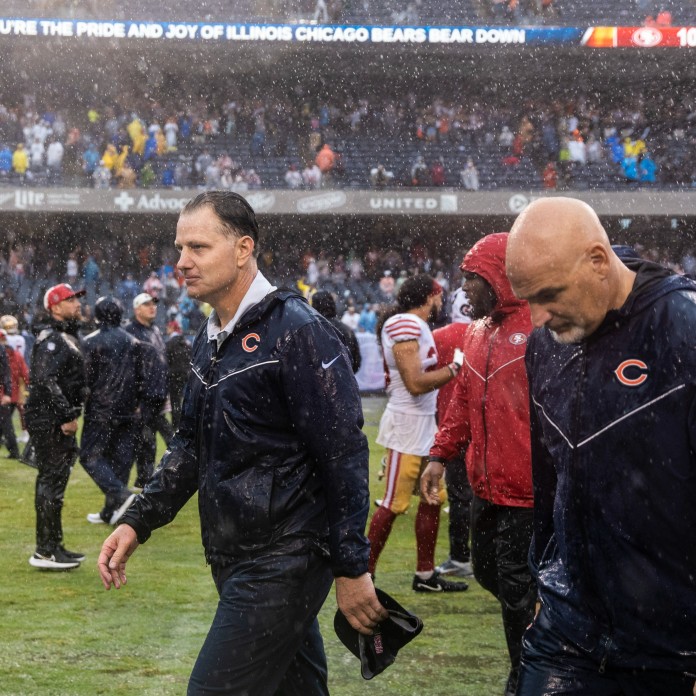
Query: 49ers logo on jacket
[[632, 373], [251, 342], [517, 339]]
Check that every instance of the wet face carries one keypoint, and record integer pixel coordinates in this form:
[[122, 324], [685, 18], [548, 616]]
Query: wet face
[[67, 310], [435, 307], [146, 313], [209, 260], [482, 298], [568, 301]]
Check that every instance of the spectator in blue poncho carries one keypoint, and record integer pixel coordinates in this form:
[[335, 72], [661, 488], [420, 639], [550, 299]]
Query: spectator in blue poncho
[[648, 169]]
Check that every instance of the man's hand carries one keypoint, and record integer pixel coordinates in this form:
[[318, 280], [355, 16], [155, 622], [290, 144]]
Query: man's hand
[[115, 552], [430, 482], [5, 400], [357, 599], [69, 428]]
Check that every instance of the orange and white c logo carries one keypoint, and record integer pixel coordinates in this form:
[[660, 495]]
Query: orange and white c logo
[[246, 342], [620, 372]]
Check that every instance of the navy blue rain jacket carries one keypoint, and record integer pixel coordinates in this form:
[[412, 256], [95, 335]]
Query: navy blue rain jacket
[[156, 387], [271, 439], [115, 374], [614, 466]]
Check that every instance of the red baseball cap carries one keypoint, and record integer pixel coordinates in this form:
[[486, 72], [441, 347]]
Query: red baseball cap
[[58, 293]]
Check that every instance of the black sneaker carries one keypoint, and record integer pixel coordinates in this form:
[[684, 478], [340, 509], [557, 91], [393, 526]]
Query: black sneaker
[[75, 555], [56, 560], [436, 583]]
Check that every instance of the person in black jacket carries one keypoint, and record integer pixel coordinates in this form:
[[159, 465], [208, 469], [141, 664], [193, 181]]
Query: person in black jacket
[[155, 390], [270, 437], [115, 374], [325, 304], [612, 377], [179, 364], [6, 427], [56, 395]]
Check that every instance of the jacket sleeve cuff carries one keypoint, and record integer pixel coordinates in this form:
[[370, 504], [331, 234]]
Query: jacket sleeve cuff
[[142, 531], [355, 565]]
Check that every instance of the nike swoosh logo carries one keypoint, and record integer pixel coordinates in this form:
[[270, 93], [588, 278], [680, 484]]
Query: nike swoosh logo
[[430, 587], [329, 364]]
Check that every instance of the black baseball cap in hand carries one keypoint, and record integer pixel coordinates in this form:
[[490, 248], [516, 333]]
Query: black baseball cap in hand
[[378, 651]]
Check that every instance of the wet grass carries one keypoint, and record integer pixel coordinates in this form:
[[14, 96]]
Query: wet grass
[[63, 635]]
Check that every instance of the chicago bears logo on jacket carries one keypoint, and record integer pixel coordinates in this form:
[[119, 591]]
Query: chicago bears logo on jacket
[[632, 372], [251, 342]]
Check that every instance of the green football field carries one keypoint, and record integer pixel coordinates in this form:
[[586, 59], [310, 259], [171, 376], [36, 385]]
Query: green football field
[[62, 634]]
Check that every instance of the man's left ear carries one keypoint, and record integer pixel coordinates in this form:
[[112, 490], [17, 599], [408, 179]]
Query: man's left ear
[[599, 258], [246, 248]]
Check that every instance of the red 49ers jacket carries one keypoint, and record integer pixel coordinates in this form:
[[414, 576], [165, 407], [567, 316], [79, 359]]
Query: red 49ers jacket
[[19, 372], [489, 410]]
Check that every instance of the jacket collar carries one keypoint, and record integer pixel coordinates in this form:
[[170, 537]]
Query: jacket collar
[[652, 281], [71, 326], [259, 288]]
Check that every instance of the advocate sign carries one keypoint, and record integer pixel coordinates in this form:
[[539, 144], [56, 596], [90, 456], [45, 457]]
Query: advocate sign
[[398, 202]]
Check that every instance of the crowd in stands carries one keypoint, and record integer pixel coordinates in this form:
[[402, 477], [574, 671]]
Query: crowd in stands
[[303, 141], [406, 12], [361, 281]]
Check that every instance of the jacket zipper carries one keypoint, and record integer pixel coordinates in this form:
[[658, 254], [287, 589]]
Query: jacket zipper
[[483, 418], [606, 642], [201, 421], [575, 472]]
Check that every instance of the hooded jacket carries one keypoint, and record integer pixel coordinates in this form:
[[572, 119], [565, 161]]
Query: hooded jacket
[[270, 437], [115, 374], [489, 411], [613, 449]]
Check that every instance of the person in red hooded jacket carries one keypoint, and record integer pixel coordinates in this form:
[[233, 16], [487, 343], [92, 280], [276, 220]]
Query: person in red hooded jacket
[[489, 416]]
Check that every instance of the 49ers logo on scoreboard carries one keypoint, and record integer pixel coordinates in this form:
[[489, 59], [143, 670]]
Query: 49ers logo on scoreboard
[[632, 373], [647, 37], [251, 342]]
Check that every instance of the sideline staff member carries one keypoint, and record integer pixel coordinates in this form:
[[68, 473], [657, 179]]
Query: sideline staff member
[[56, 395], [488, 416], [612, 380], [270, 436], [155, 389]]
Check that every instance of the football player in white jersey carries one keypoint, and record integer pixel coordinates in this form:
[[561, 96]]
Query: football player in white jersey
[[14, 339], [408, 425]]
